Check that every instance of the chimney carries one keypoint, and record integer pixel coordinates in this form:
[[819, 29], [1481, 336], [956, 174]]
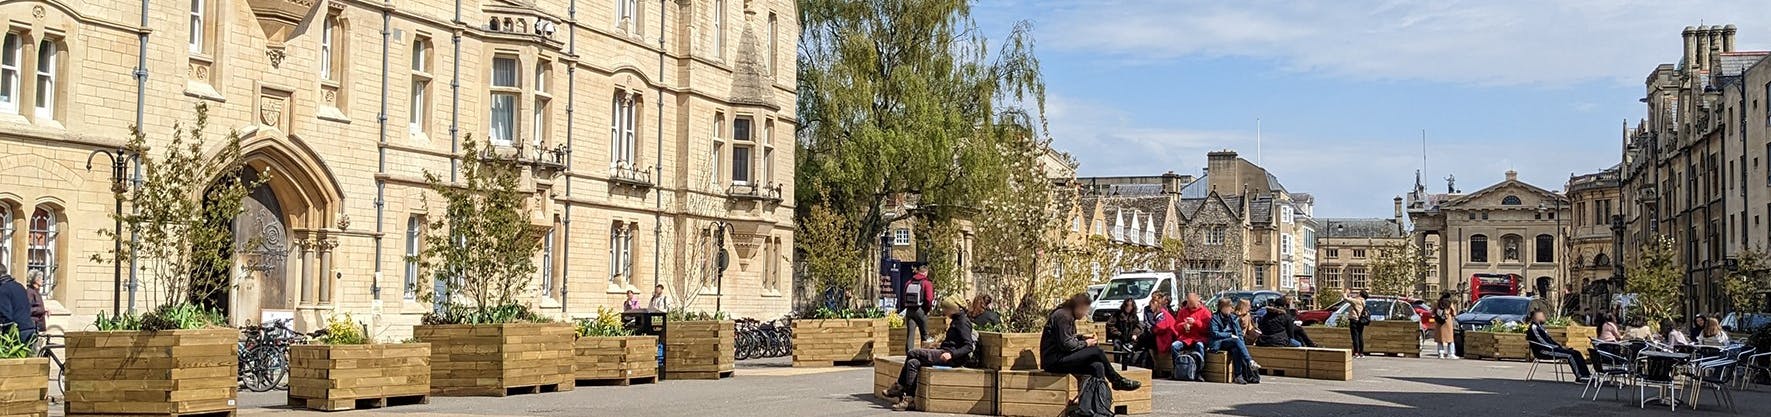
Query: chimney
[[1690, 48], [1703, 48], [1728, 38], [1398, 210], [1512, 175]]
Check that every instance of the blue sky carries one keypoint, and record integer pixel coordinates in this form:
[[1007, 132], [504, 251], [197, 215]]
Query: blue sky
[[1344, 88]]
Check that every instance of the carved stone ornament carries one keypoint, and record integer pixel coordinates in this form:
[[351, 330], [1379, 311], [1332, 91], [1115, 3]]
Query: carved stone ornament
[[276, 55], [278, 18], [270, 110], [344, 221]]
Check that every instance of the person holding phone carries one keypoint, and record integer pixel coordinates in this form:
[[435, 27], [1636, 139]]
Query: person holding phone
[[1063, 351]]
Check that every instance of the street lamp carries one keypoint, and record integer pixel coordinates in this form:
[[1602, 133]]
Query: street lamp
[[120, 159]]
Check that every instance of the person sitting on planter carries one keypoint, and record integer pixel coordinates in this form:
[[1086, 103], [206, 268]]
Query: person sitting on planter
[[954, 349], [1278, 327], [983, 312], [1192, 325], [1245, 316], [1123, 325], [1063, 351], [1226, 336], [1544, 345]]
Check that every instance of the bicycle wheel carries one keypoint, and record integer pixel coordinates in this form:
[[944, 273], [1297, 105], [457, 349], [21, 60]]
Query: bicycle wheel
[[279, 371], [259, 378]]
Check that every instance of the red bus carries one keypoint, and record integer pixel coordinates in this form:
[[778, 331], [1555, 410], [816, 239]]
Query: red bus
[[1483, 285]]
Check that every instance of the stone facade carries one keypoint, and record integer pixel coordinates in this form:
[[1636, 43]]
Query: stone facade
[[1345, 248], [1507, 228], [1592, 259], [650, 130], [1695, 168]]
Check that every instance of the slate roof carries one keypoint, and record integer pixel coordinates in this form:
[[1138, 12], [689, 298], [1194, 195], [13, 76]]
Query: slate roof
[[1261, 211], [1358, 228], [1736, 63]]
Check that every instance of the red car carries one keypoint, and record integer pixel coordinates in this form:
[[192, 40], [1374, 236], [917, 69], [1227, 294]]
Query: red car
[[1314, 317]]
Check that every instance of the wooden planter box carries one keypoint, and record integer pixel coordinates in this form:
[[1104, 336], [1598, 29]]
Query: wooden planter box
[[1008, 351], [1217, 368], [1395, 337], [699, 349], [1579, 338], [1332, 337], [895, 336], [168, 372], [498, 359], [24, 387], [956, 391], [1496, 346], [829, 342], [1330, 364], [620, 360], [885, 374], [1042, 394], [346, 377]]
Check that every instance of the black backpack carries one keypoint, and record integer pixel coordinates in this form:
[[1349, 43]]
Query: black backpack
[[1096, 399], [1187, 367]]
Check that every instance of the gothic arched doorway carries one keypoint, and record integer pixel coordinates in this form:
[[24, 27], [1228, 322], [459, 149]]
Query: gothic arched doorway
[[261, 234]]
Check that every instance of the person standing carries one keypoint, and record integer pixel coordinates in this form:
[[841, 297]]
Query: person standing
[[660, 301], [1357, 318], [958, 343], [39, 313], [916, 300], [1445, 334], [15, 305], [633, 301]]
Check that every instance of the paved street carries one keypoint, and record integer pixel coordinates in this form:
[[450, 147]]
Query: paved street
[[1383, 387]]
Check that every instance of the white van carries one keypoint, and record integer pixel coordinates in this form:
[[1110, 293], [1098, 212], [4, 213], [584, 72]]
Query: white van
[[1135, 285]]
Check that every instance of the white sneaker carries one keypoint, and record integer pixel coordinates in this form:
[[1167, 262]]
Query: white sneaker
[[1453, 357]]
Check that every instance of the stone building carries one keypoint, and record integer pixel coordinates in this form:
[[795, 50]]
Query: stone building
[[650, 131], [1275, 222], [1507, 228], [1346, 246], [1694, 168], [1592, 255]]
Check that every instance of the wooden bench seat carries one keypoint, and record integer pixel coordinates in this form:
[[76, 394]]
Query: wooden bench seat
[[1312, 363], [1042, 394]]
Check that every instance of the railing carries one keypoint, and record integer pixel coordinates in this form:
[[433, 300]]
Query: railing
[[755, 192], [623, 172]]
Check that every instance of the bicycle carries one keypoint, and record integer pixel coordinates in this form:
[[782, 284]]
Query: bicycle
[[58, 370], [264, 355]]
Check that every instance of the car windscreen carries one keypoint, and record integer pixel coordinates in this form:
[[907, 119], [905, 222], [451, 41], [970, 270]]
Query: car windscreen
[[1132, 288], [1518, 306], [1378, 308]]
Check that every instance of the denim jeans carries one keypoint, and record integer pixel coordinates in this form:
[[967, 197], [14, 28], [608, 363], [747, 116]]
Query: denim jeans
[[1238, 351]]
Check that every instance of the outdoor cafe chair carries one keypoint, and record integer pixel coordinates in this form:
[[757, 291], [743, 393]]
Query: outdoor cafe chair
[[1541, 354], [1754, 367], [1658, 370], [1609, 367], [1714, 375]]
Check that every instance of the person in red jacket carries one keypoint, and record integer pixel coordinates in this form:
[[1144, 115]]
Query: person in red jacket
[[1194, 324], [915, 301]]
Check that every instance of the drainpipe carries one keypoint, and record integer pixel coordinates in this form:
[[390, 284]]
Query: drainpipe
[[455, 98], [141, 88], [381, 154], [566, 224], [658, 166]]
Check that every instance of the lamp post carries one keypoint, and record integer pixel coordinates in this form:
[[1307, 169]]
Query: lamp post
[[120, 160]]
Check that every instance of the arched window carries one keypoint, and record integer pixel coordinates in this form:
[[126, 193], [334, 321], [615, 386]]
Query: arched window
[[1601, 259], [1546, 248], [1511, 200], [40, 255], [1478, 248]]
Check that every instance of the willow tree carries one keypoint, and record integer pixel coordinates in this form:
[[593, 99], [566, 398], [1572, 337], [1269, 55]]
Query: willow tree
[[902, 98]]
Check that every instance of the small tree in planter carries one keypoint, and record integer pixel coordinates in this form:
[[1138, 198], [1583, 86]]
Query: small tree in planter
[[347, 369], [483, 251], [184, 241], [25, 377], [607, 352]]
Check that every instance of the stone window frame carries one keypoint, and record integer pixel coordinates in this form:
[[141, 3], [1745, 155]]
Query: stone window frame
[[53, 76], [624, 127], [1478, 248], [748, 143], [8, 228], [901, 236], [12, 48], [1359, 253], [541, 114], [333, 56], [415, 227], [774, 49], [49, 220], [420, 99], [719, 30], [1544, 248], [545, 269], [513, 90], [621, 276]]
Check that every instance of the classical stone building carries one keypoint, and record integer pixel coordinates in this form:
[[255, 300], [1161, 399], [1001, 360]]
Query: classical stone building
[[1695, 168], [650, 131], [1346, 246], [1592, 255], [1507, 228]]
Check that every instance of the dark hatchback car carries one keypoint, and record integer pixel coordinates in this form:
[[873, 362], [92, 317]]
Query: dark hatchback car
[[1495, 308]]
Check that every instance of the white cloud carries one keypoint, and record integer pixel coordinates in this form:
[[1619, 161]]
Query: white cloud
[[1505, 42]]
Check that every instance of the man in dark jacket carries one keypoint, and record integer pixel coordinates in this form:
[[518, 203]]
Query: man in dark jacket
[[1544, 346], [1279, 326], [1063, 351], [958, 345], [15, 305]]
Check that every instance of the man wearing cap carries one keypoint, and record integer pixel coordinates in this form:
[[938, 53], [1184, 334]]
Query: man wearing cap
[[959, 343]]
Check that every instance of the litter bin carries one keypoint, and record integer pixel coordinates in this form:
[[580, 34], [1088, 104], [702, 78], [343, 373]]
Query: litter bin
[[647, 322], [1458, 340]]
